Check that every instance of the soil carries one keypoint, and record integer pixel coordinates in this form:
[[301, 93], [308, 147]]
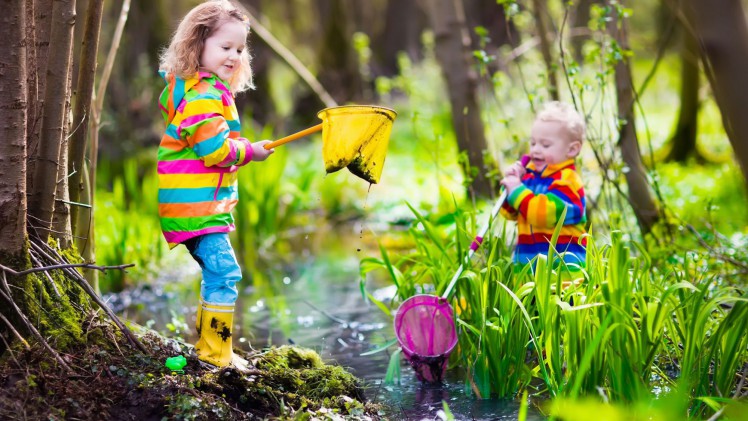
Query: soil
[[111, 380]]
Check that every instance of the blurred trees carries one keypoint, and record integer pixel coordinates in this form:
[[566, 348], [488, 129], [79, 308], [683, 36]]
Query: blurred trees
[[640, 195], [347, 45], [722, 33], [453, 51]]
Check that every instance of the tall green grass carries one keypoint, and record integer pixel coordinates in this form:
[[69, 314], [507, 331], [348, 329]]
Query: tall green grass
[[127, 224], [634, 326]]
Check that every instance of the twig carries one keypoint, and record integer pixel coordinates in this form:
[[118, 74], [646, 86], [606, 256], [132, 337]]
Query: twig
[[5, 293], [716, 415], [15, 332], [291, 59], [330, 316], [64, 266], [46, 274], [89, 290], [711, 249], [10, 351]]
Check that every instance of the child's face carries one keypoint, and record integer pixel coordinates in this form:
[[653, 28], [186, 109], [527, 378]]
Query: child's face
[[223, 48], [550, 143]]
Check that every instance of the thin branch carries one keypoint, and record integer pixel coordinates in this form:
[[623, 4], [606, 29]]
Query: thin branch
[[46, 274], [5, 293], [99, 101], [15, 332], [65, 266], [81, 281], [290, 58]]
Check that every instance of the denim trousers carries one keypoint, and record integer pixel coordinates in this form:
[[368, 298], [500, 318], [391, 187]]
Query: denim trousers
[[221, 271]]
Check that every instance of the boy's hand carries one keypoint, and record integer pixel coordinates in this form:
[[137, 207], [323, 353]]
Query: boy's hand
[[511, 182], [516, 170], [259, 153]]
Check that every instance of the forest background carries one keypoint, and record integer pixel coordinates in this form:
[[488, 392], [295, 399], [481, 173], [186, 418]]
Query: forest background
[[661, 83]]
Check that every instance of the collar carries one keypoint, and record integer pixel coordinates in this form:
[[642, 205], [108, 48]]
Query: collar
[[550, 169]]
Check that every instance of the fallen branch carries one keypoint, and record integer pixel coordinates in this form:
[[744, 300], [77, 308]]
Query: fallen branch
[[81, 281], [64, 266], [5, 293], [290, 58]]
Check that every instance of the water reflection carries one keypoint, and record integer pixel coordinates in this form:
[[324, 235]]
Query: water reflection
[[315, 302]]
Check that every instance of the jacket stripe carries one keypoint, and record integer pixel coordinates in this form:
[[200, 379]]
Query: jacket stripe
[[194, 195], [183, 210]]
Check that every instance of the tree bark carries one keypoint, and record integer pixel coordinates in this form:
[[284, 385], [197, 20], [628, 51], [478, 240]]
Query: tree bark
[[541, 20], [403, 24], [684, 138], [13, 105], [84, 94], [640, 195], [454, 55], [721, 30], [42, 198], [38, 25], [580, 18], [337, 57]]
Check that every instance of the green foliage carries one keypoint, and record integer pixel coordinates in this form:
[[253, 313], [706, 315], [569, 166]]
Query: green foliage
[[127, 225], [614, 332]]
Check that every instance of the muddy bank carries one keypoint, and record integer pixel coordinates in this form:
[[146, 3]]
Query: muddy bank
[[110, 380]]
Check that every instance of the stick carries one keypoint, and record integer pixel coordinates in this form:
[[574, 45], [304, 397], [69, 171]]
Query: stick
[[292, 137], [476, 243], [291, 59], [87, 288], [5, 293]]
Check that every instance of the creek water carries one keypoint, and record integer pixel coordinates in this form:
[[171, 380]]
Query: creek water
[[313, 299]]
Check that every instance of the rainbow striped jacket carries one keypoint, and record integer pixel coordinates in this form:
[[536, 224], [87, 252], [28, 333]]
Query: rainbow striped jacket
[[537, 204], [198, 157]]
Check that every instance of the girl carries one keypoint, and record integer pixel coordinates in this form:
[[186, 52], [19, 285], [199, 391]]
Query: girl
[[205, 65]]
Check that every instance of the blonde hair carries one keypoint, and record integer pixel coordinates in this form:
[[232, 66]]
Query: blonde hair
[[564, 113], [182, 57]]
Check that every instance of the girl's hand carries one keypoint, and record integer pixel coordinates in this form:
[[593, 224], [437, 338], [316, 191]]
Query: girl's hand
[[259, 153], [511, 182]]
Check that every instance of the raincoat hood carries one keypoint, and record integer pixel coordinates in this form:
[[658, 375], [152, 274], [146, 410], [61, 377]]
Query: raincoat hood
[[176, 89]]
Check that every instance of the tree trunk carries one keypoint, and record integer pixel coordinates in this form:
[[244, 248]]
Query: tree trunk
[[83, 96], [337, 58], [684, 138], [640, 195], [454, 55], [42, 198], [403, 24], [541, 19], [13, 129], [580, 18], [38, 25], [723, 37]]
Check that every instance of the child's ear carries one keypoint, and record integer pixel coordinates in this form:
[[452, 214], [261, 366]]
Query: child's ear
[[574, 149]]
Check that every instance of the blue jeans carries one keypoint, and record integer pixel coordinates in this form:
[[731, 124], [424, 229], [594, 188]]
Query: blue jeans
[[221, 272]]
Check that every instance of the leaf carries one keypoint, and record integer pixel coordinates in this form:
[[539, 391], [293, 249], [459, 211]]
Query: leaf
[[379, 349]]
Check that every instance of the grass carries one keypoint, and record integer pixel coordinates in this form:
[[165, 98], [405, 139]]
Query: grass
[[616, 334]]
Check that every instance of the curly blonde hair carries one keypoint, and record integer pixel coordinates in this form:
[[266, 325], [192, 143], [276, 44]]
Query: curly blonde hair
[[566, 114], [182, 57]]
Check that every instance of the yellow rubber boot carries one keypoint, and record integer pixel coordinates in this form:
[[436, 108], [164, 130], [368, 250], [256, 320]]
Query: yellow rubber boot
[[214, 324]]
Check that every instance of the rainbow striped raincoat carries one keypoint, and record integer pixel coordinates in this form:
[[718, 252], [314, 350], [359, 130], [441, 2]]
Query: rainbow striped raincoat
[[198, 157], [537, 204]]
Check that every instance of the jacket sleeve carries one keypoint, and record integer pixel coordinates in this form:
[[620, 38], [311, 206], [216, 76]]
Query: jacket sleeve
[[206, 131], [508, 212], [544, 210]]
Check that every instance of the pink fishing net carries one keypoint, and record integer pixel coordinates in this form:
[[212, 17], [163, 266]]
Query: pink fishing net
[[425, 328]]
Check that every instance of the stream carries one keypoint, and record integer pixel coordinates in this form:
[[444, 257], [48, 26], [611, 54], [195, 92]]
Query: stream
[[314, 300]]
